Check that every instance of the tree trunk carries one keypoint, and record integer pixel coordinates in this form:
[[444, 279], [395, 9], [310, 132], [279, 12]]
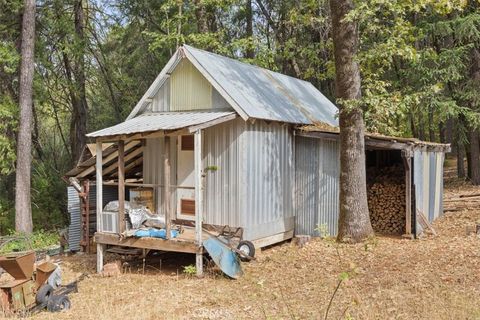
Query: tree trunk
[[460, 160], [23, 207], [78, 124], [200, 14], [474, 163], [354, 221], [250, 53]]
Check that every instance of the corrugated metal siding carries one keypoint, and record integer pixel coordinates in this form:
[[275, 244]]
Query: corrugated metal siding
[[75, 227], [153, 164], [222, 148], [161, 100], [317, 180], [268, 179], [428, 181], [189, 90], [110, 193]]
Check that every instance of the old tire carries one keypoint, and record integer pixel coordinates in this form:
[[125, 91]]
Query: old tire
[[247, 248], [59, 303], [44, 294]]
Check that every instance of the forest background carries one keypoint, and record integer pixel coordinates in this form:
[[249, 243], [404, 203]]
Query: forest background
[[419, 60]]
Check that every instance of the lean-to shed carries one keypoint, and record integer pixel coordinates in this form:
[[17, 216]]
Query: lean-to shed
[[221, 142]]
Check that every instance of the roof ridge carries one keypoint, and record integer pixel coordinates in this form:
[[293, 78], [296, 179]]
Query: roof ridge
[[246, 63]]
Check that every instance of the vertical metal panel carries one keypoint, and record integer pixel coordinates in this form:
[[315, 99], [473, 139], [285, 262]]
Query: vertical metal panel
[[432, 175], [74, 229], [317, 180], [250, 178], [161, 100], [223, 156], [189, 90], [428, 181], [268, 176], [110, 193]]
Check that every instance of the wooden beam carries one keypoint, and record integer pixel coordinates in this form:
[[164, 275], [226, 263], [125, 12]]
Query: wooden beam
[[198, 201], [408, 194], [99, 191], [212, 123], [111, 157], [121, 186], [322, 135], [167, 191], [276, 238], [146, 243], [127, 158]]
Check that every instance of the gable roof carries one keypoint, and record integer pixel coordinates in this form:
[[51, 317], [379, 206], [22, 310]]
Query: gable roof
[[252, 91]]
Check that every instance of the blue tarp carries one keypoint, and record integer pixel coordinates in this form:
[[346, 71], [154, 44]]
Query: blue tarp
[[156, 233]]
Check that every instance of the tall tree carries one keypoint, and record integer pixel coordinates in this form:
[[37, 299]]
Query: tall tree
[[354, 221], [23, 207], [78, 126]]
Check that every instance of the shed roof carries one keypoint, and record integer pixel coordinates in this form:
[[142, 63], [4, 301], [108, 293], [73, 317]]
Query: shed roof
[[375, 140], [252, 91], [151, 122]]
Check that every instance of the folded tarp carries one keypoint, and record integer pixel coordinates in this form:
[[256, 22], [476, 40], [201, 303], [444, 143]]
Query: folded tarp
[[156, 233]]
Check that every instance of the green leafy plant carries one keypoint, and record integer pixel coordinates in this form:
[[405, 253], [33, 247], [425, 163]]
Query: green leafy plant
[[38, 240], [190, 270], [322, 229]]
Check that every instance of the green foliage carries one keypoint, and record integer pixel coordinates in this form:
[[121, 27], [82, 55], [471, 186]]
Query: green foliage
[[322, 230], [8, 124], [190, 270], [38, 240]]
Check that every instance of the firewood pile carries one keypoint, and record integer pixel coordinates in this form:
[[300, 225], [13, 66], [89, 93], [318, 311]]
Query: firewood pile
[[386, 200]]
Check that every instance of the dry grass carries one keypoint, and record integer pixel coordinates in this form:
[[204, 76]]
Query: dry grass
[[430, 278]]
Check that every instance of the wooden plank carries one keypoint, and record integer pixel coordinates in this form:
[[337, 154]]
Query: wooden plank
[[408, 195], [167, 201], [276, 238], [198, 201], [121, 186], [147, 243], [425, 223], [99, 195]]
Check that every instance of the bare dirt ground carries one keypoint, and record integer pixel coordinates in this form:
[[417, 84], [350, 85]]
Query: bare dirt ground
[[435, 277]]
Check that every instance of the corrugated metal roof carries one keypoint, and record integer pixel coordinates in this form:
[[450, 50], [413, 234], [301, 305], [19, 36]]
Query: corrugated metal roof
[[161, 121], [265, 94], [252, 91]]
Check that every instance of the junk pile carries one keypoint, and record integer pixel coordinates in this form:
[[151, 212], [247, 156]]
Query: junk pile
[[141, 222], [32, 288]]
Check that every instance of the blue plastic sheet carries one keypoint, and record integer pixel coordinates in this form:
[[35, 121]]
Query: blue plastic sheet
[[156, 233]]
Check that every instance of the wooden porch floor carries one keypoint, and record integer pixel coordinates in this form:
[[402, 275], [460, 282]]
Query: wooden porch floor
[[185, 242]]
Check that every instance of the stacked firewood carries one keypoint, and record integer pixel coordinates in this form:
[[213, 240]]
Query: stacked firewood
[[386, 201]]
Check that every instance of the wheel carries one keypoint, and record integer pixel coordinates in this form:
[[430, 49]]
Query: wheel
[[59, 303], [44, 294], [247, 248]]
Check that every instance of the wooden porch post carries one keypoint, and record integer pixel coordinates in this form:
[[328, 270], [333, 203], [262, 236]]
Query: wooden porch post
[[198, 201], [407, 159], [121, 186], [99, 190], [167, 193]]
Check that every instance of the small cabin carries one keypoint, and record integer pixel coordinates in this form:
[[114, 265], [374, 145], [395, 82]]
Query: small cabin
[[216, 142]]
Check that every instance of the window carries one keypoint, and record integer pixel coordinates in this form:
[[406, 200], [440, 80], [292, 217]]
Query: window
[[187, 143]]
